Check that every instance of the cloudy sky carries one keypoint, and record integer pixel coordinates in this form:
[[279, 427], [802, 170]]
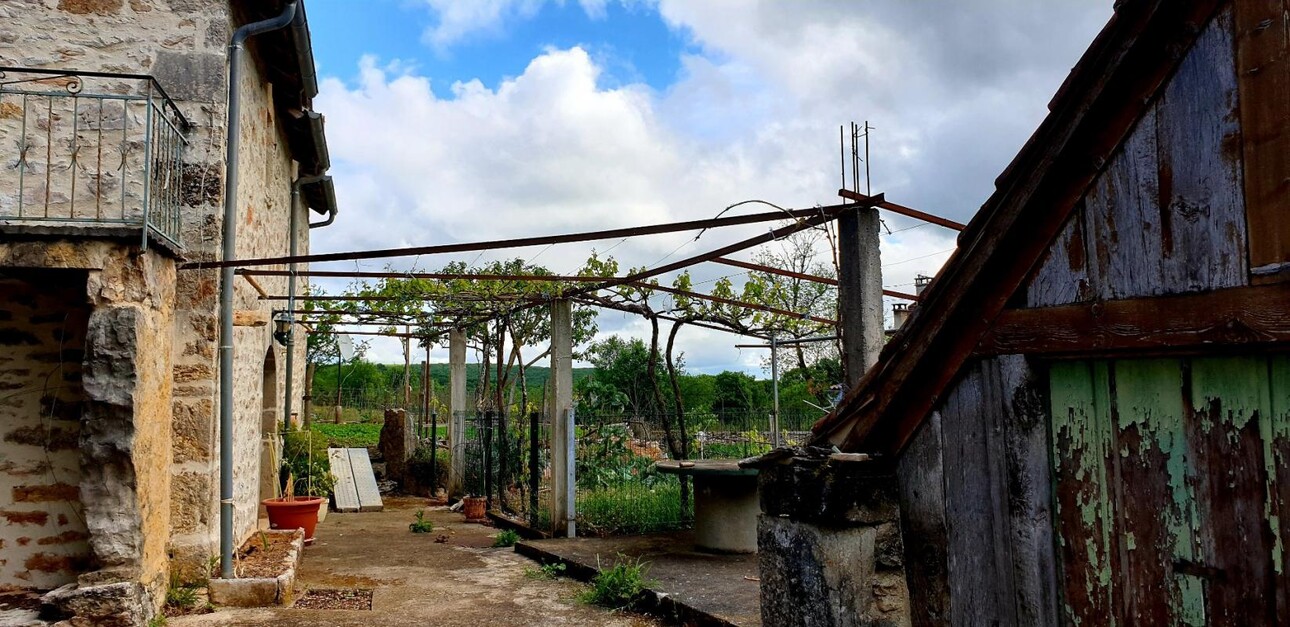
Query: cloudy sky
[[454, 121]]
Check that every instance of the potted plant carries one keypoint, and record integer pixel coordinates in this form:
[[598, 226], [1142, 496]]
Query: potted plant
[[473, 507], [304, 473]]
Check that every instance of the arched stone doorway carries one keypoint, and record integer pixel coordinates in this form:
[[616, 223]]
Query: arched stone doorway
[[271, 441]]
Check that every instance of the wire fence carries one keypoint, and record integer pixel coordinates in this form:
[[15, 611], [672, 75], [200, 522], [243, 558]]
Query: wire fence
[[618, 489]]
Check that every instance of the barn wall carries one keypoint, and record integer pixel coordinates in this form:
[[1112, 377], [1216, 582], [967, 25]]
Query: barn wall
[[975, 489], [1170, 489], [1167, 216]]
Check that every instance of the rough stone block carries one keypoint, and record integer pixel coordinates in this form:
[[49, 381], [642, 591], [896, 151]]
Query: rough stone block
[[803, 583], [91, 7], [831, 492], [397, 443], [191, 76], [190, 501], [119, 604]]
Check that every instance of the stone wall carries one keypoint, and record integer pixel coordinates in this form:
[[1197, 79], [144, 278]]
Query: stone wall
[[42, 338], [123, 445], [183, 44]]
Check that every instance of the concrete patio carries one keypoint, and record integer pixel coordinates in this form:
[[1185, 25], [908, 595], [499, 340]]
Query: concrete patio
[[418, 580], [689, 587]]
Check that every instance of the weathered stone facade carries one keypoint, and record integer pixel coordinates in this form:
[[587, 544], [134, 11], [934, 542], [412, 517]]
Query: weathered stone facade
[[120, 302], [137, 446]]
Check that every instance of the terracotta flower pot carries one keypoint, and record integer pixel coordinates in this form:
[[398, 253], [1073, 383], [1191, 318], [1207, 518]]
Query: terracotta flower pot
[[473, 507], [297, 512]]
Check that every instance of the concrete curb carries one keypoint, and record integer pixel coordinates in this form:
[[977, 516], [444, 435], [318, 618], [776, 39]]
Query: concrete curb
[[654, 602], [262, 591]]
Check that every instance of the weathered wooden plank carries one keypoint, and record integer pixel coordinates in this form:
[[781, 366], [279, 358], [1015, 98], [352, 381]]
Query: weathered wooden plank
[[1028, 481], [1231, 401], [1122, 219], [345, 494], [980, 581], [1156, 508], [1263, 71], [1277, 454], [1101, 103], [1062, 278], [1242, 315], [369, 494], [920, 473], [1202, 202], [1080, 398]]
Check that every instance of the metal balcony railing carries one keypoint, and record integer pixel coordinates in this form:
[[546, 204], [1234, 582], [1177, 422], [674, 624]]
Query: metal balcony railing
[[91, 149]]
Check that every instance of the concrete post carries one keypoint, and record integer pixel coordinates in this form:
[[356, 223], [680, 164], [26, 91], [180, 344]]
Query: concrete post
[[815, 511], [560, 411], [859, 292], [457, 409]]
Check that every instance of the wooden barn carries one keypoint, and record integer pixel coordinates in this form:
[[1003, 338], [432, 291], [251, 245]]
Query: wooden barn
[[1088, 414]]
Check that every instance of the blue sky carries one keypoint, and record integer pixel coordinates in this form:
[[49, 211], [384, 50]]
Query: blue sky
[[455, 120], [633, 43]]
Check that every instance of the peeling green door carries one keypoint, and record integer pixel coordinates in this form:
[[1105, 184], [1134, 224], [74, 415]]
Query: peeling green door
[[1171, 489]]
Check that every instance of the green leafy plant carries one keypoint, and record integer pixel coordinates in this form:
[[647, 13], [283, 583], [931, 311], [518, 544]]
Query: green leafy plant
[[181, 597], [545, 571], [305, 467], [505, 538], [158, 621], [421, 525], [618, 586]]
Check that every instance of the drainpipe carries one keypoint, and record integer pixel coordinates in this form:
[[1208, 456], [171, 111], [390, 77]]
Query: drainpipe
[[233, 142], [330, 191], [294, 238]]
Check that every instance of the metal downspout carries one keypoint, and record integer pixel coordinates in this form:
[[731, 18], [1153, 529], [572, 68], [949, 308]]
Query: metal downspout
[[231, 171], [294, 238]]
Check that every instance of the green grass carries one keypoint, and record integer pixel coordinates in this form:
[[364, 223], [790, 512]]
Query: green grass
[[618, 586], [630, 509], [349, 435]]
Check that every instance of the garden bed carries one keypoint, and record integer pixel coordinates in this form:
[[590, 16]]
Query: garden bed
[[265, 569], [333, 599]]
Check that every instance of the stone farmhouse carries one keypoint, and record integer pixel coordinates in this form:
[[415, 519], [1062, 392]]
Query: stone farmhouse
[[113, 173]]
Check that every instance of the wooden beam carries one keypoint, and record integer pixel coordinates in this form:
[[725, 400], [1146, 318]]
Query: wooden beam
[[250, 318], [1263, 83], [1240, 317]]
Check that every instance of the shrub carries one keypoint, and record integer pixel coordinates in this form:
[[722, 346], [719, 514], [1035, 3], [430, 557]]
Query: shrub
[[304, 459], [421, 525], [505, 538], [618, 586]]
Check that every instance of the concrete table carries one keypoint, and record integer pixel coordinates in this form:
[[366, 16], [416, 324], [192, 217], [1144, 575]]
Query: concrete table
[[725, 503]]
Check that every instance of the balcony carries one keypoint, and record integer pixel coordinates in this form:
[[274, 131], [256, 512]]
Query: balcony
[[90, 150]]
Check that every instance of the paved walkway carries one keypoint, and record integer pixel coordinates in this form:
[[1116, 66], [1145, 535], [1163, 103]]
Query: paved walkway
[[417, 581], [698, 587]]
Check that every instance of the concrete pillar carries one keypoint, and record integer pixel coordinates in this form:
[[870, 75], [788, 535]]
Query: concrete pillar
[[560, 410], [829, 545], [457, 410], [859, 292]]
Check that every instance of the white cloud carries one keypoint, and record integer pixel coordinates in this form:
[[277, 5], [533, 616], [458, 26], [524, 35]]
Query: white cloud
[[953, 90]]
